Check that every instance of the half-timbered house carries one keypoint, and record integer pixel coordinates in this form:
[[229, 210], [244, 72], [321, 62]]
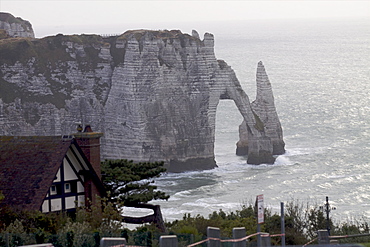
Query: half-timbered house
[[50, 173]]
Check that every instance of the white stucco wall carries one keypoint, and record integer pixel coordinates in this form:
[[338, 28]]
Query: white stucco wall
[[45, 207], [70, 202], [56, 204], [68, 172]]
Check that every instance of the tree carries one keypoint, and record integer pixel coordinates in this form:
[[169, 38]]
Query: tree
[[131, 184]]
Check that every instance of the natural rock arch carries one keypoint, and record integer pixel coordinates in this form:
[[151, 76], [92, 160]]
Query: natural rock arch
[[260, 133]]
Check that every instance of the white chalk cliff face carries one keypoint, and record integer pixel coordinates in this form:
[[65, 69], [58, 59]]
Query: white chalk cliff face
[[153, 94]]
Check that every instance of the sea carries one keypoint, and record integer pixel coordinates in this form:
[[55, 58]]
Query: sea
[[320, 75]]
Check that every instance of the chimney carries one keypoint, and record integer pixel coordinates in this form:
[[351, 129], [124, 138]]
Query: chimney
[[89, 142]]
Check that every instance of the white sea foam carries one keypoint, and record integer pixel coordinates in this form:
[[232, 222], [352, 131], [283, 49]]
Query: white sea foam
[[212, 205], [282, 160], [230, 182], [231, 167], [336, 176], [136, 212], [297, 151], [184, 193], [176, 211]]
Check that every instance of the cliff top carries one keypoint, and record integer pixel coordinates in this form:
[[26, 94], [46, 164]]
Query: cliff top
[[16, 27], [7, 17], [22, 48], [165, 35], [159, 34], [138, 34]]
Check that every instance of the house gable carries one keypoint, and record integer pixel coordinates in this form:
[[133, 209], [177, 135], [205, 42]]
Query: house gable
[[45, 173], [67, 190]]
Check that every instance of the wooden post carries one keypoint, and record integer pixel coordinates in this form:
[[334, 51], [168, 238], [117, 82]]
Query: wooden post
[[282, 224], [213, 232], [7, 239], [168, 241], [327, 210], [323, 237], [259, 238], [239, 232], [105, 242], [260, 217]]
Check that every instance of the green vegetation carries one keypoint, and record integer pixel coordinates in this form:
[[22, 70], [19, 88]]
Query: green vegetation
[[61, 229], [130, 183], [159, 34]]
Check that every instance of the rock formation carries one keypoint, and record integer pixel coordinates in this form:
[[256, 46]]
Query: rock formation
[[265, 110], [15, 27], [153, 94]]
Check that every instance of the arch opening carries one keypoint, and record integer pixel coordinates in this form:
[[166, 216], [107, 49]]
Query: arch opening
[[228, 119]]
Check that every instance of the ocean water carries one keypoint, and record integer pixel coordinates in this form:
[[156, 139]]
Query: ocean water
[[320, 74]]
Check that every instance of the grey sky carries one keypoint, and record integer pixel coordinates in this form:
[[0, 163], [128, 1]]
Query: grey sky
[[104, 16]]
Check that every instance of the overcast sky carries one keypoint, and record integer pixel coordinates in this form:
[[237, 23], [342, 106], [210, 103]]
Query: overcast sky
[[82, 16]]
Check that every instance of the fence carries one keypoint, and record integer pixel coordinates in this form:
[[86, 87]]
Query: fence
[[323, 238], [214, 239], [70, 239], [87, 240]]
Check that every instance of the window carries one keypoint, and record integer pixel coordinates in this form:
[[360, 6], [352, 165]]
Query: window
[[67, 188], [53, 190], [56, 189]]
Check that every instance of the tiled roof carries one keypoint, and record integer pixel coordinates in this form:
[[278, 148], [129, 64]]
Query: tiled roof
[[28, 165]]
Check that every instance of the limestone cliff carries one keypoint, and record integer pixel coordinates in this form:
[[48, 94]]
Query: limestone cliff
[[15, 27], [153, 94]]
